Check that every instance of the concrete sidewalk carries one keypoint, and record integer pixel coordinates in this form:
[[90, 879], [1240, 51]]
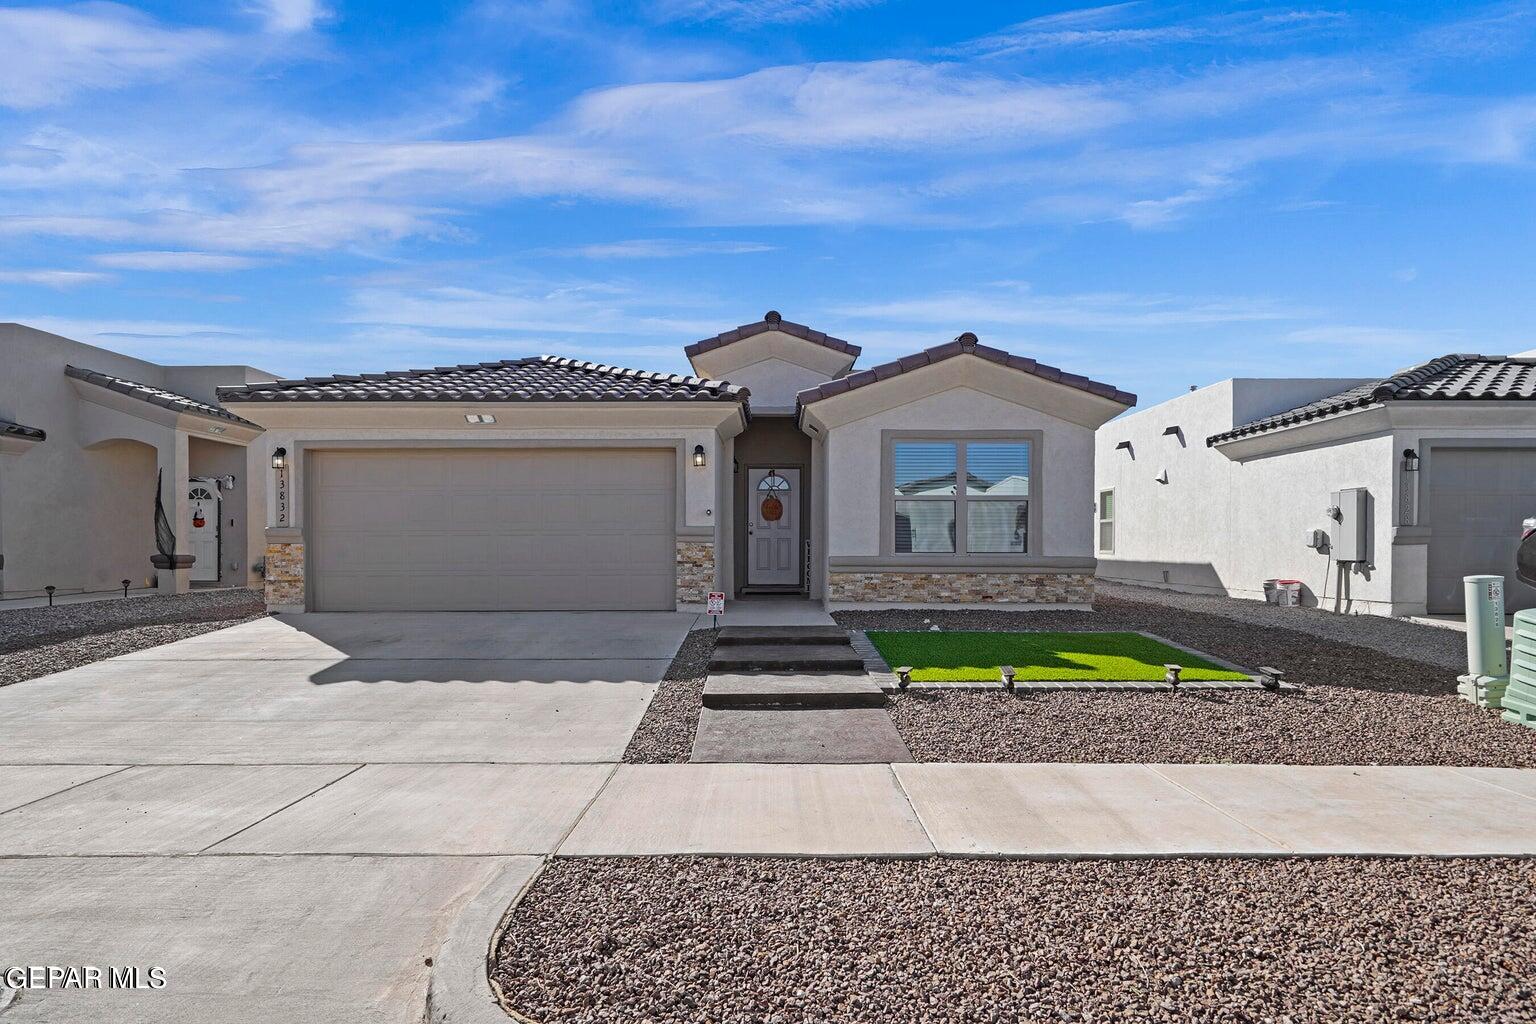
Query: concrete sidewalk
[[1058, 810]]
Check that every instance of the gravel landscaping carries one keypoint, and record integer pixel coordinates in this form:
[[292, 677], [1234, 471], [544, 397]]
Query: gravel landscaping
[[22, 628], [1361, 705], [40, 641], [674, 940], [665, 734], [1433, 645]]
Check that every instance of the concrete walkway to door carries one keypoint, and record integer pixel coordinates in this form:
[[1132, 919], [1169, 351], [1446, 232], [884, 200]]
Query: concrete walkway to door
[[287, 815]]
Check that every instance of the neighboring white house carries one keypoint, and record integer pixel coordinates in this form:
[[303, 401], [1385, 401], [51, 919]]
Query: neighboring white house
[[84, 435], [1223, 488], [552, 483]]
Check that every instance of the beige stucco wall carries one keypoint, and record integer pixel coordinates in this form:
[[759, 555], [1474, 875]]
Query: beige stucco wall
[[75, 517], [775, 382], [1063, 468]]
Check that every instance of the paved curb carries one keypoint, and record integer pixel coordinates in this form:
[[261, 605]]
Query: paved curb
[[459, 990]]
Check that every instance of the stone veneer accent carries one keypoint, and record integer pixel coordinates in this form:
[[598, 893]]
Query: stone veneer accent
[[921, 588], [285, 576], [695, 571]]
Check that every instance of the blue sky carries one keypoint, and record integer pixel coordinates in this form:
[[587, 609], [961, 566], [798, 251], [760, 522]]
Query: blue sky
[[1156, 195]]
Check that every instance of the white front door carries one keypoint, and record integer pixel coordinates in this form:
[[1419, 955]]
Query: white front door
[[203, 500], [773, 527]]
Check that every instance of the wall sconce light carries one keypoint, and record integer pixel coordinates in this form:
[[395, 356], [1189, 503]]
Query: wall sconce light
[[279, 458], [698, 455], [1410, 461]]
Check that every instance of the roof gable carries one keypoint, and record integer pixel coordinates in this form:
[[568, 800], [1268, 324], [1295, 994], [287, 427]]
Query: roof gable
[[965, 344], [772, 321], [1449, 378], [532, 379]]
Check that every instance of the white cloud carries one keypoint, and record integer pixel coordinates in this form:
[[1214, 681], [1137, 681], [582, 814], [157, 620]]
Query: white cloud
[[1372, 337], [662, 248], [194, 261], [1128, 25], [49, 54], [289, 15], [749, 13], [52, 278]]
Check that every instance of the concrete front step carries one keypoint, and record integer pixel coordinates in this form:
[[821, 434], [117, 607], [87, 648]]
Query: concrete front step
[[758, 636], [770, 690], [786, 658], [798, 736]]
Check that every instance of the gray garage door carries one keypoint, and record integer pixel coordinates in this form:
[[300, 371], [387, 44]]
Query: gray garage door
[[1475, 500], [492, 529]]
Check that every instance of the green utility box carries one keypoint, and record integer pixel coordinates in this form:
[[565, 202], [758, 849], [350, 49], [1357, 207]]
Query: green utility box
[[1520, 696]]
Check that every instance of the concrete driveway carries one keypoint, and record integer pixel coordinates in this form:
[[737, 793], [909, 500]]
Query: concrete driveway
[[285, 815]]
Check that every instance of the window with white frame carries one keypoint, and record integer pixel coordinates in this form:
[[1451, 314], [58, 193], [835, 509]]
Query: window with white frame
[[1107, 521], [934, 514]]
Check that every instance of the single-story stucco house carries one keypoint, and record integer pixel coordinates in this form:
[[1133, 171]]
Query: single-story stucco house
[[85, 434], [1378, 495], [551, 483]]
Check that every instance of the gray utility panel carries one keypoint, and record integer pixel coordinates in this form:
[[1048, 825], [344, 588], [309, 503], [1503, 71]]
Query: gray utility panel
[[1473, 501], [1351, 530], [492, 529]]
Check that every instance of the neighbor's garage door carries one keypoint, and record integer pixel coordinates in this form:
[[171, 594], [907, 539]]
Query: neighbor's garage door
[[491, 529], [1475, 501]]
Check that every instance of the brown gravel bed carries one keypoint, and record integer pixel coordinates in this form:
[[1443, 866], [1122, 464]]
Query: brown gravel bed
[[16, 666], [665, 734], [1361, 706], [25, 628], [733, 941]]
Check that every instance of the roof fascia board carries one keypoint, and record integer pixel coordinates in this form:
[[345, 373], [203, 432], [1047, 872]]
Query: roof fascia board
[[728, 417], [720, 363], [1423, 414], [969, 371], [1335, 429]]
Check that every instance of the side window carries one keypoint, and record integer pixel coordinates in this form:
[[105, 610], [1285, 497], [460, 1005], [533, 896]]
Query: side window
[[1107, 521]]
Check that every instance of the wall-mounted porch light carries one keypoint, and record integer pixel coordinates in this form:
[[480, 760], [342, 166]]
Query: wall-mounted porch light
[[698, 455], [1410, 461], [279, 458]]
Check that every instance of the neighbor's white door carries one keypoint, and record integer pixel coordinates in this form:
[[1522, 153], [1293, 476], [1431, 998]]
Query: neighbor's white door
[[203, 499], [773, 527]]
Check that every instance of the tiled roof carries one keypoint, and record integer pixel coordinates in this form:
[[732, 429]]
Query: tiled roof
[[534, 379], [10, 429], [772, 321], [153, 395], [1458, 378], [966, 344]]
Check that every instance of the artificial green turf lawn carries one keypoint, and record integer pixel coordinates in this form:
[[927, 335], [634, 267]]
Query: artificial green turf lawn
[[952, 657]]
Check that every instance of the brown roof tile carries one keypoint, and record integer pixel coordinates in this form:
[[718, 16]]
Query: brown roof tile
[[153, 395], [966, 344], [10, 429], [533, 379], [1452, 378], [772, 321]]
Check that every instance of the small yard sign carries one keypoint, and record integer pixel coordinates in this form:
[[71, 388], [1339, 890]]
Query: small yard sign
[[716, 603]]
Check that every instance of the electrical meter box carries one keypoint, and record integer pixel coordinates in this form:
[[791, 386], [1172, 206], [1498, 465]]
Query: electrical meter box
[[1351, 540]]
